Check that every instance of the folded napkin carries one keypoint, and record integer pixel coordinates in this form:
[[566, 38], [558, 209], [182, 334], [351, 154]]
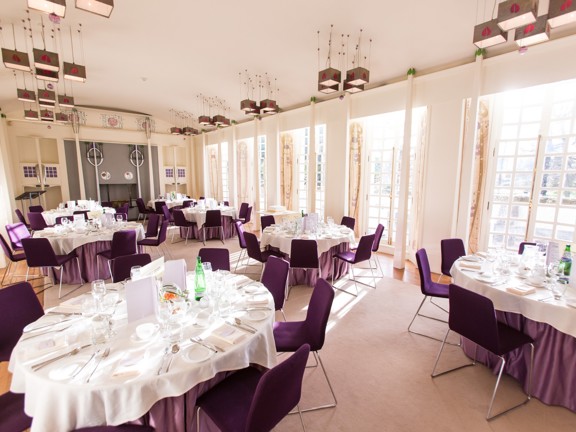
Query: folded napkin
[[130, 364], [470, 266], [520, 290], [483, 254], [74, 305], [228, 333], [257, 299]]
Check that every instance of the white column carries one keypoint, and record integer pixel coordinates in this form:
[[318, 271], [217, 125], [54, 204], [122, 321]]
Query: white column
[[232, 180], [76, 129], [256, 173], [401, 222], [150, 172], [312, 160], [138, 171]]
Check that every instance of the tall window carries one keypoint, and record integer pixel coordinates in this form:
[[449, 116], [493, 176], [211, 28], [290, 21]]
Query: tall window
[[225, 177], [532, 189], [320, 170], [262, 170], [383, 140]]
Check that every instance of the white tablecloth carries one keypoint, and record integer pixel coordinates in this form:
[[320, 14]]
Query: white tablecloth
[[169, 203], [556, 313], [282, 239], [58, 403], [64, 243], [195, 214], [51, 215]]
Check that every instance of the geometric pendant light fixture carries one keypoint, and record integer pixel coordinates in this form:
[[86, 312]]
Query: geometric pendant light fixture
[[516, 13], [561, 12], [533, 33], [14, 59], [56, 7], [488, 34], [98, 7]]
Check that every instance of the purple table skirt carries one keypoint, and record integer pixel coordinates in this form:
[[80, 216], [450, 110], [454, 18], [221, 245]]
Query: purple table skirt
[[212, 233], [88, 264], [310, 276], [554, 376]]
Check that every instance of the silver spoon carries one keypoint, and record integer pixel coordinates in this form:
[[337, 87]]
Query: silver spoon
[[248, 326], [102, 357], [47, 362], [175, 349]]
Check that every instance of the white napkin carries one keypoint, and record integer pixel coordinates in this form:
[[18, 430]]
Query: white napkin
[[257, 299], [520, 290], [228, 333], [129, 365], [74, 305], [470, 266]]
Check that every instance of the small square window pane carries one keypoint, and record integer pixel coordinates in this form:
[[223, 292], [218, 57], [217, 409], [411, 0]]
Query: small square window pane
[[553, 163], [567, 215], [545, 214], [555, 145], [525, 164], [565, 233], [548, 196], [570, 180], [550, 180], [543, 230]]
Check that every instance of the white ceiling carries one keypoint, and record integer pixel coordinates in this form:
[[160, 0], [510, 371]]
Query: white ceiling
[[154, 55]]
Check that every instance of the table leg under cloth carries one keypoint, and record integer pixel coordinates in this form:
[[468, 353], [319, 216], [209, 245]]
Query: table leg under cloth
[[554, 376], [310, 276], [227, 226]]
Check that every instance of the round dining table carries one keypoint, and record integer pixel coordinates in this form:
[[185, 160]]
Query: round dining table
[[140, 381], [534, 311], [51, 215], [198, 215]]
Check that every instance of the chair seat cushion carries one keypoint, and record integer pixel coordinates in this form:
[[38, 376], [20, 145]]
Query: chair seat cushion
[[510, 338], [437, 290], [12, 413], [228, 403], [289, 336], [20, 256], [347, 256], [62, 259], [148, 242]]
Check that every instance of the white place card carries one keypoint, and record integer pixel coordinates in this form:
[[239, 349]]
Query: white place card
[[175, 273], [155, 268], [141, 298]]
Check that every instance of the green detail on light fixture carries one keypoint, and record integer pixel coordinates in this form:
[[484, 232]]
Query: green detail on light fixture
[[411, 71], [480, 52]]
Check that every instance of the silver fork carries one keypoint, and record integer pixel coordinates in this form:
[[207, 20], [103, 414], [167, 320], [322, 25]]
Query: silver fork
[[102, 357], [198, 340]]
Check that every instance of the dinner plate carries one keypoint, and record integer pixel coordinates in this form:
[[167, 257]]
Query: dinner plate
[[256, 315], [486, 279], [197, 354], [255, 288], [472, 258]]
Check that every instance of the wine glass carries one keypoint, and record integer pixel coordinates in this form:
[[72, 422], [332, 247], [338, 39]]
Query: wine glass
[[119, 218], [98, 290], [135, 272]]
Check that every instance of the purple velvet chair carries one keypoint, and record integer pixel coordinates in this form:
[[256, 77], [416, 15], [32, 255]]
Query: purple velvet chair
[[429, 289], [241, 241], [304, 255], [39, 253], [121, 428], [266, 221], [450, 250], [377, 238], [352, 257], [289, 336], [21, 217], [242, 212], [523, 245], [156, 242], [12, 257], [153, 225], [143, 211], [36, 209], [219, 258], [123, 243], [37, 222], [248, 215], [213, 220], [13, 418], [473, 317], [81, 212], [187, 203], [180, 221], [253, 250], [254, 401], [275, 279], [122, 265], [348, 221], [17, 232], [158, 207], [59, 219]]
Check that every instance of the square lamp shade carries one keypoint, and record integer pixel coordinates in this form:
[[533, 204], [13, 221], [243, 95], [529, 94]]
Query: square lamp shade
[[268, 106], [516, 13], [74, 72], [98, 7], [61, 117], [46, 96], [248, 105], [46, 60], [56, 7], [533, 33], [351, 88], [16, 59], [204, 120], [357, 76], [328, 89], [26, 95], [488, 34], [190, 131], [31, 115], [561, 12], [46, 75], [47, 115], [66, 101], [175, 130], [329, 77], [218, 120]]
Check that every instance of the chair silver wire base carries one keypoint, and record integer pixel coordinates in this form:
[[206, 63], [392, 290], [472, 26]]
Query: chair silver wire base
[[501, 370], [353, 278], [240, 258], [11, 276], [187, 236], [417, 314], [61, 269]]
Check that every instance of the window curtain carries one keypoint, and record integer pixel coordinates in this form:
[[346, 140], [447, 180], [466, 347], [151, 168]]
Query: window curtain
[[243, 172], [480, 172], [356, 143], [286, 170], [213, 171], [417, 184]]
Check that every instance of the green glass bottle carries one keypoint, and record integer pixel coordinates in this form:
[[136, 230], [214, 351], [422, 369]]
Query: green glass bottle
[[567, 261], [199, 281]]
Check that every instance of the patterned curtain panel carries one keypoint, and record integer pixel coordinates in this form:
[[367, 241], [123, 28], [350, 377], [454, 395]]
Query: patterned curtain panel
[[213, 171], [356, 142], [480, 172], [286, 170], [417, 185], [243, 172]]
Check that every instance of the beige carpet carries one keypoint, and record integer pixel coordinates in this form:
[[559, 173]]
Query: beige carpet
[[381, 373]]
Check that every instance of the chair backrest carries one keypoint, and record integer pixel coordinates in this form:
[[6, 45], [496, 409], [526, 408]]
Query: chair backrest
[[82, 212], [348, 221], [187, 203], [39, 252], [19, 307], [141, 205], [450, 249], [123, 243], [523, 245], [248, 215], [106, 204], [266, 221], [162, 233], [124, 208], [218, 257], [59, 219], [37, 222], [122, 215], [121, 265], [472, 316], [153, 224], [304, 254], [253, 247], [274, 278], [36, 209], [6, 248], [213, 218], [277, 392], [364, 249], [377, 237], [179, 218], [240, 231], [20, 216], [424, 271], [243, 210], [17, 232], [318, 314], [166, 213], [158, 206], [226, 203]]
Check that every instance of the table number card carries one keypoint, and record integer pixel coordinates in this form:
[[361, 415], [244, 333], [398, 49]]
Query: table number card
[[141, 298], [175, 272]]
